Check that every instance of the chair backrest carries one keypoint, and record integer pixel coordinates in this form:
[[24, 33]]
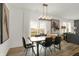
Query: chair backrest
[[57, 40], [24, 42], [48, 41]]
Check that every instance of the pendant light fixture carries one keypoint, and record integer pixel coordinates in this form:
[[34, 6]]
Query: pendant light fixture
[[45, 13]]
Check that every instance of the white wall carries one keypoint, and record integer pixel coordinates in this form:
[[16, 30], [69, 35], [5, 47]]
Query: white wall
[[26, 23], [19, 23], [16, 18]]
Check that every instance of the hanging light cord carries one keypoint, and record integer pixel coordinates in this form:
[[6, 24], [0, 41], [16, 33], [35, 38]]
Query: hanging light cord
[[45, 10]]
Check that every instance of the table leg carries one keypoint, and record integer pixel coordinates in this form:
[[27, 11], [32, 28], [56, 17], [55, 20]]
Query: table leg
[[33, 50], [37, 48]]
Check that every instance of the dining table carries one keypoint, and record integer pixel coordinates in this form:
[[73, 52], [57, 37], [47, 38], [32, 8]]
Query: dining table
[[41, 38], [37, 40]]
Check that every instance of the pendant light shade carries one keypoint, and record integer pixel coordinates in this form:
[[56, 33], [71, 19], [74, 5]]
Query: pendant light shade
[[45, 13]]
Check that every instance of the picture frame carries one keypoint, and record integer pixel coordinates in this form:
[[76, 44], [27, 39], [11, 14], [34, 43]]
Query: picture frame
[[55, 24], [4, 23]]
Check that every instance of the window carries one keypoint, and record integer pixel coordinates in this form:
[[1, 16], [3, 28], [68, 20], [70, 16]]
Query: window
[[38, 27]]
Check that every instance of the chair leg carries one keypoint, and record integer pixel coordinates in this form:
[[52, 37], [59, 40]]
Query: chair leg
[[26, 51], [50, 50], [59, 47], [45, 51], [41, 48], [33, 51], [54, 48]]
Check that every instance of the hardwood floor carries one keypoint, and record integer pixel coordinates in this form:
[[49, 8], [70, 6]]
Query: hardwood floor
[[67, 49]]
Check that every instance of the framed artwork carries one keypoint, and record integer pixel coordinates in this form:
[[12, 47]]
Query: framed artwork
[[4, 23], [55, 24]]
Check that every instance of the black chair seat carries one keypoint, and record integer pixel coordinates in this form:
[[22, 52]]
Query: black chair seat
[[46, 44], [29, 45], [54, 42]]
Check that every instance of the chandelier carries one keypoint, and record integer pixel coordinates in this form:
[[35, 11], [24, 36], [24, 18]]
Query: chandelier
[[45, 13]]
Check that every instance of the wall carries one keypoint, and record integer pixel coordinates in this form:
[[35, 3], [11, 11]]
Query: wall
[[27, 18], [26, 24], [19, 25], [15, 26]]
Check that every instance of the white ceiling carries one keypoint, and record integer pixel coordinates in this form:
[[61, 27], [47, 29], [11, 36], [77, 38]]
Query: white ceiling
[[62, 10]]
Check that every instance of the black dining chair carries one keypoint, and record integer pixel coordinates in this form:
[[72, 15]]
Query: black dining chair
[[57, 43], [27, 46], [47, 44]]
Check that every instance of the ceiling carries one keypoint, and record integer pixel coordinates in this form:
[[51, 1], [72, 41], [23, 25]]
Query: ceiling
[[62, 10]]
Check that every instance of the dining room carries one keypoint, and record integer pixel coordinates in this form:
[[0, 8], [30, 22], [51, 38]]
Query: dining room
[[36, 29]]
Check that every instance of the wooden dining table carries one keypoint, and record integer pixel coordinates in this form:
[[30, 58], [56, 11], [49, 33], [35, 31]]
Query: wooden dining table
[[37, 40]]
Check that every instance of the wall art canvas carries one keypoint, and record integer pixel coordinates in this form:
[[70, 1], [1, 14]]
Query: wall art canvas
[[4, 24], [55, 24]]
